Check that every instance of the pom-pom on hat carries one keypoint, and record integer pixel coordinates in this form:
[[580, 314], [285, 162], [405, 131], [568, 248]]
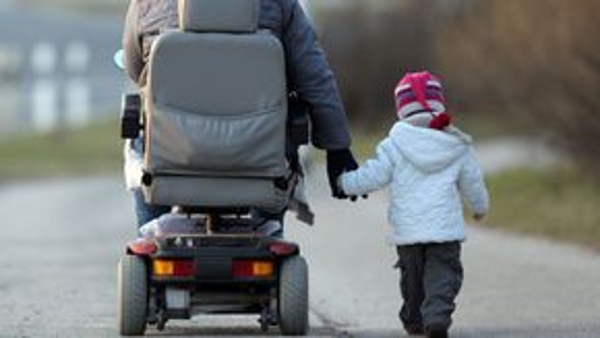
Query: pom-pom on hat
[[420, 101]]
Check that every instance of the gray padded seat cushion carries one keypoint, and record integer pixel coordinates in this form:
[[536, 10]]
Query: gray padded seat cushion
[[234, 16], [210, 192], [223, 116]]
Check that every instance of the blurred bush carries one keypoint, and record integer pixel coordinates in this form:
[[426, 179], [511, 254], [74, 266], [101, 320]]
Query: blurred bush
[[533, 62], [370, 49]]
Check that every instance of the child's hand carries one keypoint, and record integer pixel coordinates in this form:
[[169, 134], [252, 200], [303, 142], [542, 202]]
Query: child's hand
[[352, 198], [478, 217]]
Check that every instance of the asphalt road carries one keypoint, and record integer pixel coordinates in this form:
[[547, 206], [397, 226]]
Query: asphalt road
[[61, 241]]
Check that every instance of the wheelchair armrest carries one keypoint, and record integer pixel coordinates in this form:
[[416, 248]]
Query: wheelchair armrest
[[130, 116]]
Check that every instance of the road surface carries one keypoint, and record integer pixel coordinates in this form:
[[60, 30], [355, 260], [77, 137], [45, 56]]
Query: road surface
[[62, 239]]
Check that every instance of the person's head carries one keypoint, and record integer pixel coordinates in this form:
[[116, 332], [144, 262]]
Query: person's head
[[420, 101]]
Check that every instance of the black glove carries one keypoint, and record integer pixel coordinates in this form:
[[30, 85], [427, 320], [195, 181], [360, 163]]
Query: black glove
[[338, 162]]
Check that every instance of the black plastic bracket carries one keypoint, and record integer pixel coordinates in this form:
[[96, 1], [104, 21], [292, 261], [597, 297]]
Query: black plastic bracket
[[298, 120], [130, 116]]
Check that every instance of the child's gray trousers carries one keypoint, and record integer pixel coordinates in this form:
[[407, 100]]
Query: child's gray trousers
[[431, 277]]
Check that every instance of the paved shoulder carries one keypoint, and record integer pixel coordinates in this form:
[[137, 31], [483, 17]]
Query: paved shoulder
[[62, 239], [60, 244]]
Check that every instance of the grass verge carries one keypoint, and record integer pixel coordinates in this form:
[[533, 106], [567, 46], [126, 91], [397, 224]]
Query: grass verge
[[92, 150], [556, 203]]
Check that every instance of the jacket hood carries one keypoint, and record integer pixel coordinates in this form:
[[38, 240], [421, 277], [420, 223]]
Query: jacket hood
[[427, 149]]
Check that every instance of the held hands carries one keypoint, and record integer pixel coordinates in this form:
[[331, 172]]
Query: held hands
[[338, 162]]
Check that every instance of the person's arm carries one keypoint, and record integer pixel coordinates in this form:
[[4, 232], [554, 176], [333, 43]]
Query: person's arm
[[133, 56], [376, 173], [471, 185], [312, 78]]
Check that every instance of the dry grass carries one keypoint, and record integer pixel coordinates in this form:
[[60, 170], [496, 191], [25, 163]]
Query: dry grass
[[559, 204], [91, 150]]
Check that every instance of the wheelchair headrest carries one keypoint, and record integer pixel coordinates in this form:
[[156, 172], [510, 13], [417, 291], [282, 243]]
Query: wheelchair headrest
[[229, 16]]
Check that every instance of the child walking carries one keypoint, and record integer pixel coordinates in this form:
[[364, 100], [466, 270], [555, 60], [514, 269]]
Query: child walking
[[429, 165]]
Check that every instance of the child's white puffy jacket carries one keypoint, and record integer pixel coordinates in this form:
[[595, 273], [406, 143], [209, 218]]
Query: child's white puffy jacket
[[427, 171]]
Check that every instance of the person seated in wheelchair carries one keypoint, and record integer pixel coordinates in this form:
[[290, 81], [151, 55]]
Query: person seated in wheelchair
[[222, 84]]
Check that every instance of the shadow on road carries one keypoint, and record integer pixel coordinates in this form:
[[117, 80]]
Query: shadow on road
[[525, 332], [237, 331]]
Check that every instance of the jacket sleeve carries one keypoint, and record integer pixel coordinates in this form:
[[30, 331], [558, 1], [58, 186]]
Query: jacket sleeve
[[376, 173], [312, 78], [134, 62], [472, 186]]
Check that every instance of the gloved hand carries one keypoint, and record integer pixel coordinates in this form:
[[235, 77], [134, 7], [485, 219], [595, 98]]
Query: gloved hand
[[338, 162]]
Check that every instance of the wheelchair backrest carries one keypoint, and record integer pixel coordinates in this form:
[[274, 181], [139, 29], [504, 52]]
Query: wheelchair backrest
[[216, 106]]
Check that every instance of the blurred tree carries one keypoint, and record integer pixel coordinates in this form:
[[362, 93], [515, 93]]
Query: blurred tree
[[371, 48], [533, 60]]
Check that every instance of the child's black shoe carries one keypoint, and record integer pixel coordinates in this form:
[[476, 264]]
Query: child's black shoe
[[436, 331], [414, 329]]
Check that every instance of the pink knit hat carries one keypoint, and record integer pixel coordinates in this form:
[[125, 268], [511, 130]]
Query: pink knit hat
[[419, 97]]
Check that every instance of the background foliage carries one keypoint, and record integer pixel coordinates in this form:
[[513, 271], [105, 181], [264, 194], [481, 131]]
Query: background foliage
[[530, 65]]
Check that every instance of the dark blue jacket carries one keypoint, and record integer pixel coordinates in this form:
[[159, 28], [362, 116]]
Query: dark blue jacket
[[308, 72]]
